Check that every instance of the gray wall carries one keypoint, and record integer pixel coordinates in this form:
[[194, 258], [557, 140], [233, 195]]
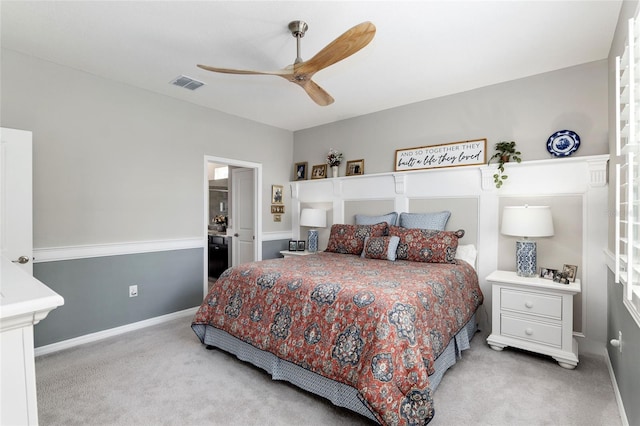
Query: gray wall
[[528, 111], [271, 249], [96, 291], [115, 164], [625, 364]]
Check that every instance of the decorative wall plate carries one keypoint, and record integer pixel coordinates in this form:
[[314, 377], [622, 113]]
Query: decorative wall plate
[[563, 143]]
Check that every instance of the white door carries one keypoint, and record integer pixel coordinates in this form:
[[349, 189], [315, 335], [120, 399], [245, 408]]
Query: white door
[[16, 234], [242, 215]]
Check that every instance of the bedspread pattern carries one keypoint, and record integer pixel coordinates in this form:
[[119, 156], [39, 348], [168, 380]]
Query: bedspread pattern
[[372, 324]]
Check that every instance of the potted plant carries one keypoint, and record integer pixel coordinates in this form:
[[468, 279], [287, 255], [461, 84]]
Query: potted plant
[[505, 152]]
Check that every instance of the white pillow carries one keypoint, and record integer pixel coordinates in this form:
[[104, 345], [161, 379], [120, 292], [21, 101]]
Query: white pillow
[[468, 253]]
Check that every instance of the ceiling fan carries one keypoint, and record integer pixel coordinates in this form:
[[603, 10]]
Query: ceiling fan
[[301, 71]]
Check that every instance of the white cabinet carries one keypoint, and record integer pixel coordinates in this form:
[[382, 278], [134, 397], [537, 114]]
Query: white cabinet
[[534, 314], [24, 302]]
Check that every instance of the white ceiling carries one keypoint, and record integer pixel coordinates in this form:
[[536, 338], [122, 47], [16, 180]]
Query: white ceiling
[[422, 49]]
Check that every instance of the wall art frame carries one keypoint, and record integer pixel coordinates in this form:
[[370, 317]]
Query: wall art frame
[[355, 167], [277, 194], [300, 171], [319, 171], [464, 153]]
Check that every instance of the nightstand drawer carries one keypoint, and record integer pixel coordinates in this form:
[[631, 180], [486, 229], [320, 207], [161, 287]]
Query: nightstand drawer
[[549, 306], [548, 334]]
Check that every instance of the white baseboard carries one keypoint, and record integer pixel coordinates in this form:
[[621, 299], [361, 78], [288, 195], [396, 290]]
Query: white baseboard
[[616, 391], [100, 335]]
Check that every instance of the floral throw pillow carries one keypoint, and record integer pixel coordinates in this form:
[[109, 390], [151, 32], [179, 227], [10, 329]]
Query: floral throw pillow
[[426, 245], [380, 248], [349, 239]]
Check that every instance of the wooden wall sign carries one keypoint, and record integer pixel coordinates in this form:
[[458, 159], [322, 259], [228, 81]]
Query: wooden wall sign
[[464, 153]]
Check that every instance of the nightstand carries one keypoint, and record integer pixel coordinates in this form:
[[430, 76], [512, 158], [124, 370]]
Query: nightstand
[[534, 314], [287, 253]]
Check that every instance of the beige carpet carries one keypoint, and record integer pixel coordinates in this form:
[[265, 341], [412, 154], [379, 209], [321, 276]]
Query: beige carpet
[[162, 375]]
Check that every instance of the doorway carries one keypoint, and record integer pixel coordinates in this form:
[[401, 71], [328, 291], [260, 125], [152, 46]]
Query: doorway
[[235, 218]]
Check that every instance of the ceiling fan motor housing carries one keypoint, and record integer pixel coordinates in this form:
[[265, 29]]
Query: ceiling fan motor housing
[[298, 28]]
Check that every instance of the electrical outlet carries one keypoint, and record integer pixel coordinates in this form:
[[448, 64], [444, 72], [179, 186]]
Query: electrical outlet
[[133, 290]]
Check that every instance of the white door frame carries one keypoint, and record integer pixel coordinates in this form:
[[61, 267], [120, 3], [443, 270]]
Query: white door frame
[[257, 214]]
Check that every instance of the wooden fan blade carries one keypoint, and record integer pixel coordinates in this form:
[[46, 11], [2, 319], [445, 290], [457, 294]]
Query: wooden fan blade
[[317, 93], [281, 73], [342, 47]]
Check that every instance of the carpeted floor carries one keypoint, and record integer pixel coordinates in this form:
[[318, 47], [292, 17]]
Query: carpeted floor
[[162, 375]]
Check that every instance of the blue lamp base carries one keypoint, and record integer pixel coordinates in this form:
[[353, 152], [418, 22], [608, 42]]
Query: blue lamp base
[[312, 247], [526, 259]]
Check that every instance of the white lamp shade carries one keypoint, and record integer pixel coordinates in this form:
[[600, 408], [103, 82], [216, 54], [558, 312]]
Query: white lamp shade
[[527, 221], [316, 218]]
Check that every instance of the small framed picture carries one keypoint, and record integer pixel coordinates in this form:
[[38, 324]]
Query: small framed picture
[[548, 273], [571, 271], [355, 167], [276, 194], [300, 171], [301, 245], [293, 245], [277, 218], [319, 171], [561, 277], [277, 209]]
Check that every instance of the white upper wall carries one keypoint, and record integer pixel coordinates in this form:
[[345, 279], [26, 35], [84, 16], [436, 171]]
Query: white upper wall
[[114, 163], [528, 111]]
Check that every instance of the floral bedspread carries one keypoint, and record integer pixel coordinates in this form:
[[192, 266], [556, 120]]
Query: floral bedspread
[[375, 325]]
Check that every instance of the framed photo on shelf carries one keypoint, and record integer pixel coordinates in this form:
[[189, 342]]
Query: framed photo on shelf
[[561, 277], [301, 245], [548, 273], [293, 245], [276, 194], [571, 271], [355, 167], [300, 171], [319, 171]]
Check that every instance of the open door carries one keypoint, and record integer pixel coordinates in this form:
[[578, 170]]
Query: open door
[[245, 213], [16, 223], [243, 216]]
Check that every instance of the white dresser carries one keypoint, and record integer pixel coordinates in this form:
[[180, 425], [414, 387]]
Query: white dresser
[[534, 314], [24, 301]]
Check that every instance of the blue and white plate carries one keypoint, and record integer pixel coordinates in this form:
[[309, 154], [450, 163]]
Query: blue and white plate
[[563, 143]]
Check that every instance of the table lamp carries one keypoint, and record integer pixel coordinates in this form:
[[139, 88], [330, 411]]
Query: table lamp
[[314, 218], [527, 221]]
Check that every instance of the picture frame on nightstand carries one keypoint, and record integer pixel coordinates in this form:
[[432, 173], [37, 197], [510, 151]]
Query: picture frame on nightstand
[[571, 271], [301, 245], [548, 273], [293, 245], [561, 277]]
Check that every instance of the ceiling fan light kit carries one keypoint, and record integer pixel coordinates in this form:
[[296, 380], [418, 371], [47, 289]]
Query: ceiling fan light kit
[[301, 72]]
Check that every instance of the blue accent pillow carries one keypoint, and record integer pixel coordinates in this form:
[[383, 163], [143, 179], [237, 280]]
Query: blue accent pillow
[[434, 220], [390, 218], [380, 248]]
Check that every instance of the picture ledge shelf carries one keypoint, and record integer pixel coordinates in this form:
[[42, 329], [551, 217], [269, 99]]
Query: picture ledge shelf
[[597, 165]]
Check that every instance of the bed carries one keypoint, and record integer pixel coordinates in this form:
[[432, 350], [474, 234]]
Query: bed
[[369, 324]]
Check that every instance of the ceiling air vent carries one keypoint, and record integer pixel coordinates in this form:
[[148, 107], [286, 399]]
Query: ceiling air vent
[[187, 82]]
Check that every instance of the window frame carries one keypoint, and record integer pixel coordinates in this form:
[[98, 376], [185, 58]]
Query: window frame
[[627, 170]]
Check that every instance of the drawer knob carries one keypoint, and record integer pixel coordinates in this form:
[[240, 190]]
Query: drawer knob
[[528, 331], [528, 304]]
